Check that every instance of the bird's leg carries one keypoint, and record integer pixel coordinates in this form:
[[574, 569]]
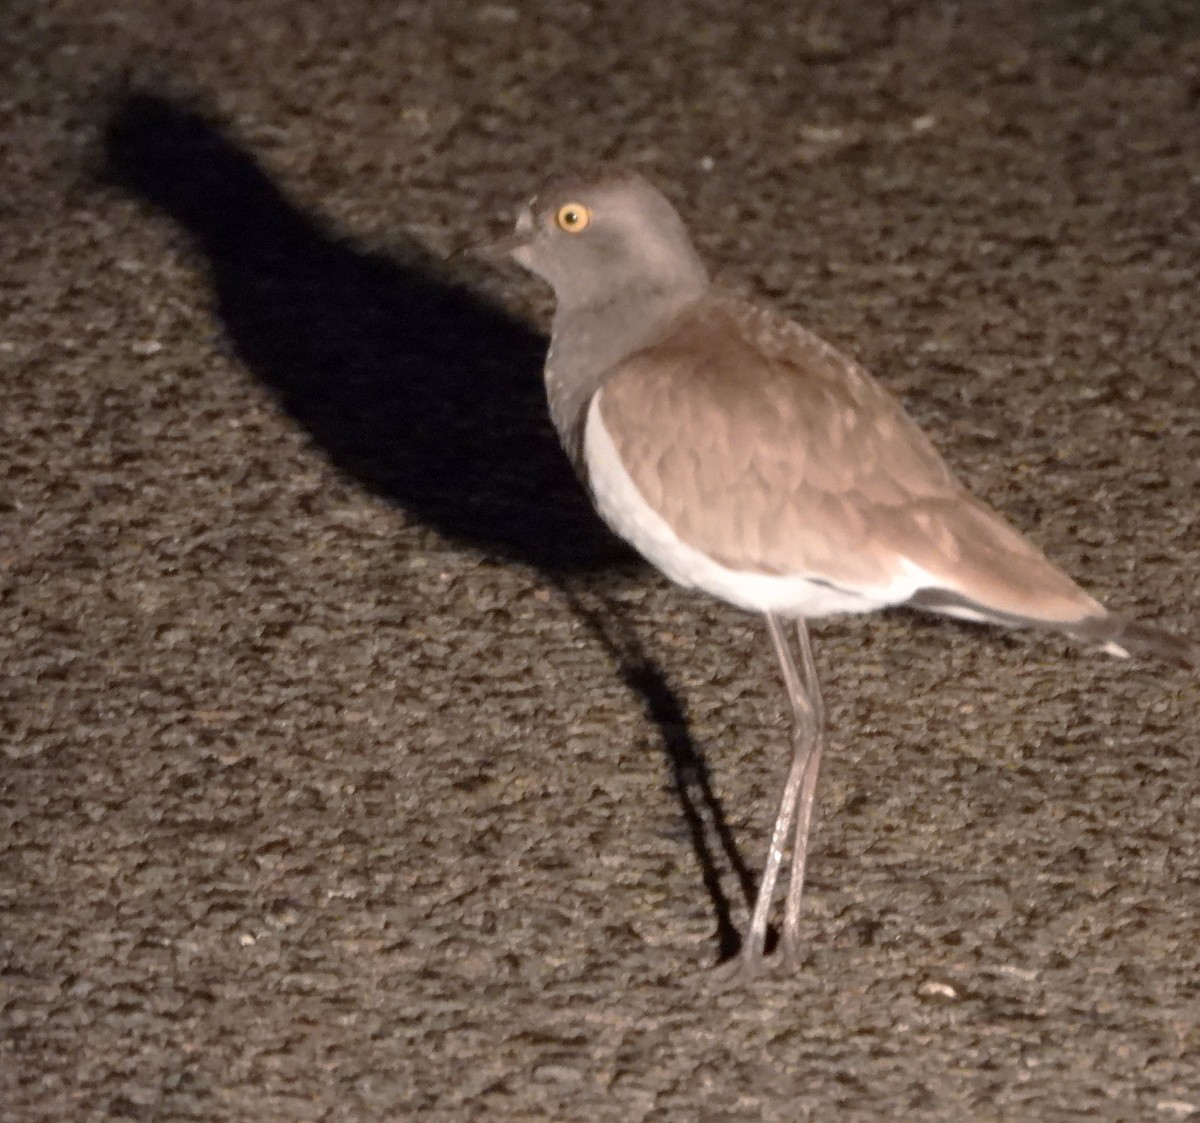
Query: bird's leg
[[814, 717], [802, 737]]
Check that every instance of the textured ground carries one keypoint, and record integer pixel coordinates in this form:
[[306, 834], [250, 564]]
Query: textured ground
[[351, 773]]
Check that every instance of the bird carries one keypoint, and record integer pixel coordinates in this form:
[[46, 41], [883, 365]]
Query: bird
[[743, 456]]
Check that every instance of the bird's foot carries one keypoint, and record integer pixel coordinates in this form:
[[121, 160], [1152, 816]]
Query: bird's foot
[[790, 954], [743, 968], [753, 963]]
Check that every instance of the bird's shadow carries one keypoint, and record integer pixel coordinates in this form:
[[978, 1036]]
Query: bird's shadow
[[421, 389], [425, 391]]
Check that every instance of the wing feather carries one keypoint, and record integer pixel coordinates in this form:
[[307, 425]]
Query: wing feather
[[773, 453]]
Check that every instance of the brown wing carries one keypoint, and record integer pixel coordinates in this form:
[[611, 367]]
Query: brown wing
[[773, 453]]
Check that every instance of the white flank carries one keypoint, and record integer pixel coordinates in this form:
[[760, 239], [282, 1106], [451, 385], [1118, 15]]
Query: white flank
[[625, 510]]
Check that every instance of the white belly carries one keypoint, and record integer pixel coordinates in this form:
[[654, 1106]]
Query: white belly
[[622, 506]]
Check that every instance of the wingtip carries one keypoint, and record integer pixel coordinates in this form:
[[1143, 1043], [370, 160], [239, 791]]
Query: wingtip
[[1125, 636]]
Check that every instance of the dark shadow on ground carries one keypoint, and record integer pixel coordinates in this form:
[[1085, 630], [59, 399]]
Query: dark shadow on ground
[[701, 808], [424, 391], [427, 393]]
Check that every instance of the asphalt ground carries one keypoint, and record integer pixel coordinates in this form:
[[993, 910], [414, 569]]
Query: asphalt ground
[[351, 772]]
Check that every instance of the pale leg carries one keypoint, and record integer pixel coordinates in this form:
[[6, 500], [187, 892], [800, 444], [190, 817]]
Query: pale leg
[[815, 717], [797, 796]]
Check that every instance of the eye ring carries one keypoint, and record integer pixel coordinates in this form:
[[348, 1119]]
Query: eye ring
[[574, 218]]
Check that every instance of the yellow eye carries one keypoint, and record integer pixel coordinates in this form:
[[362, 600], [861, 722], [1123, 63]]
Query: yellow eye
[[573, 217]]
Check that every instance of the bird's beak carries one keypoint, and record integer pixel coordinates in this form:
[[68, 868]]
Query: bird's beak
[[496, 249], [515, 245], [501, 247]]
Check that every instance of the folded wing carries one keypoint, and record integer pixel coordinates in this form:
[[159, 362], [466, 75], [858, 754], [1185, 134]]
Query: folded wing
[[773, 453]]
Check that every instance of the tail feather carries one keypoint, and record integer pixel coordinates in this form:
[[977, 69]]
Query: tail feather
[[1125, 636], [1118, 634]]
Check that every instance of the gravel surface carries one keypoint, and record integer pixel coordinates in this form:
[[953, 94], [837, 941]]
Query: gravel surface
[[352, 772]]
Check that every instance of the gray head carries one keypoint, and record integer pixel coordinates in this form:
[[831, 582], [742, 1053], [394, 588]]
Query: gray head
[[602, 235]]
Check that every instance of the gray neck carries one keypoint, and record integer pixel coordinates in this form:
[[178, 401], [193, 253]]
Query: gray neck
[[589, 339]]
